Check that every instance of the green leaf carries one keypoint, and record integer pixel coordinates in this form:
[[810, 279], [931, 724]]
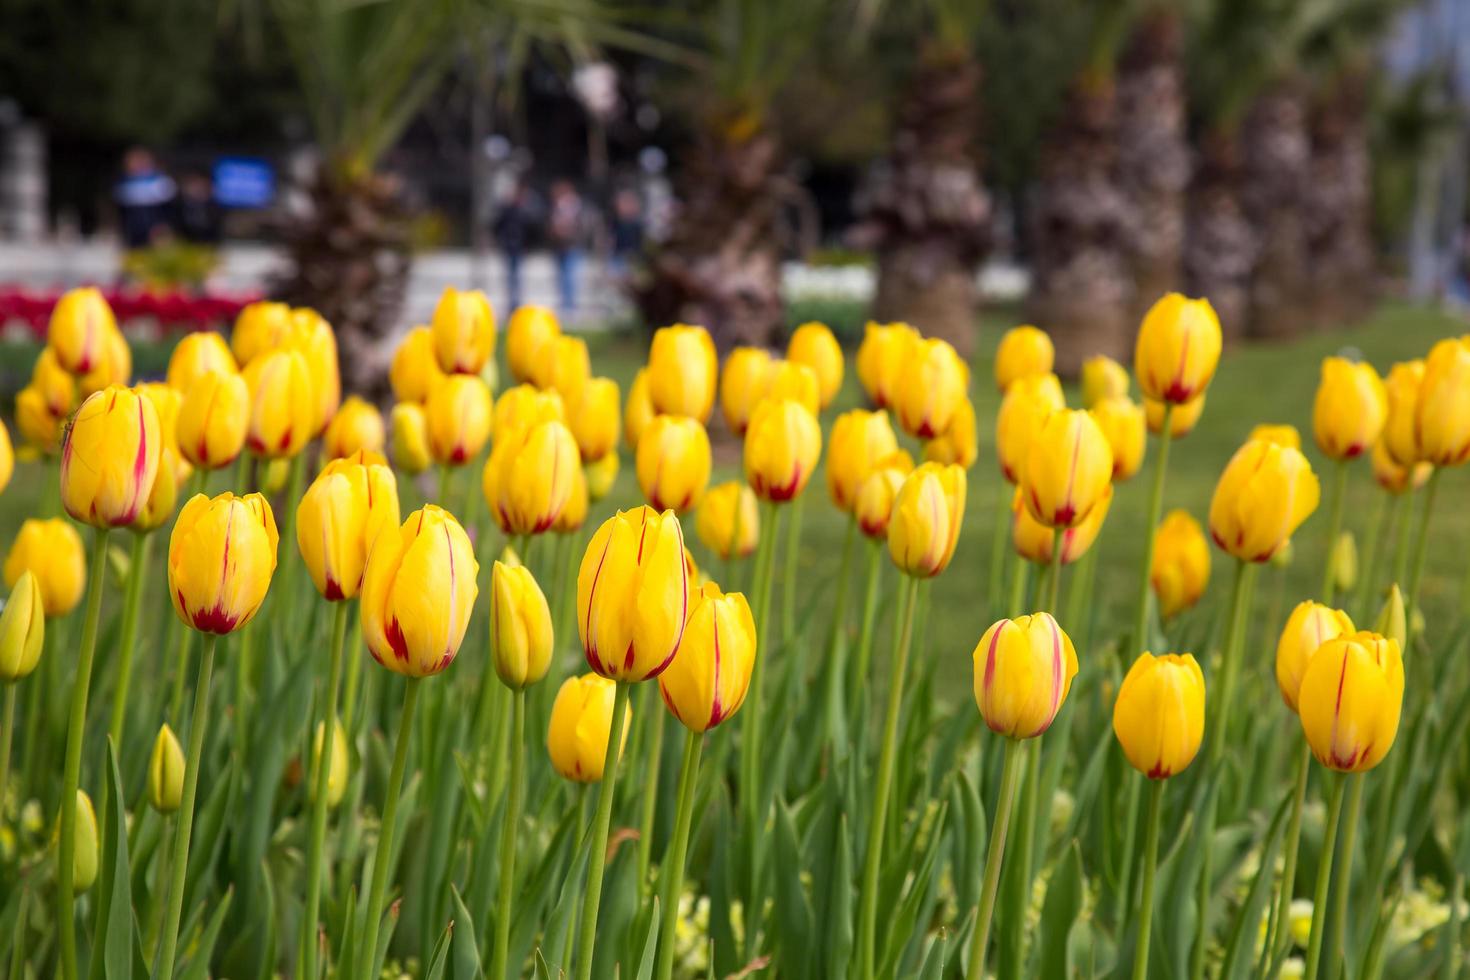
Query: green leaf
[[898, 930], [268, 954], [1248, 918], [440, 955], [208, 834], [934, 958], [794, 926], [536, 892], [650, 945], [1058, 913], [558, 925], [466, 962], [198, 966], [115, 909]]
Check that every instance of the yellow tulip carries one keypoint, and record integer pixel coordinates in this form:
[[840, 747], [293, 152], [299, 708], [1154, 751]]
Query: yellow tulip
[[1394, 477], [167, 403], [1103, 378], [51, 549], [707, 682], [164, 495], [166, 772], [214, 419], [1023, 411], [673, 462], [633, 594], [594, 418], [109, 458], [601, 475], [782, 447], [1401, 428], [526, 406], [930, 386], [1442, 411], [581, 722], [881, 358], [358, 425], [528, 336], [874, 505], [196, 354], [925, 522], [1181, 421], [312, 335], [464, 331], [114, 368], [260, 328], [33, 418], [414, 371], [1068, 468], [410, 444], [682, 372], [417, 593], [22, 629], [347, 506], [1159, 716], [1263, 496], [458, 415], [639, 410], [55, 383], [1282, 435], [564, 367], [283, 406], [1023, 350], [860, 439], [1350, 700], [1023, 671], [1310, 625], [88, 847], [221, 557], [521, 641], [1034, 541], [337, 766], [1343, 560], [81, 323], [1350, 408], [745, 380], [7, 457], [1178, 349], [960, 443], [1181, 567], [271, 475], [574, 514], [726, 511], [814, 345], [1124, 424], [530, 476], [794, 381]]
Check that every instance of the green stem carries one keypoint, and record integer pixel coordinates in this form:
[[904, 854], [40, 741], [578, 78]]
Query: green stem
[[1155, 507], [733, 558], [128, 637], [285, 589], [788, 575], [244, 655], [1369, 562], [873, 856], [1150, 863], [1416, 571], [319, 803], [835, 667], [185, 825], [1054, 581], [72, 770], [1019, 575], [1281, 915], [354, 677], [999, 534], [857, 683], [1403, 517], [654, 763], [446, 481], [508, 834], [750, 723], [368, 948], [673, 869], [181, 669], [1130, 837], [159, 899], [1010, 773], [1334, 528], [568, 946], [1333, 955], [7, 726], [1324, 877], [597, 859]]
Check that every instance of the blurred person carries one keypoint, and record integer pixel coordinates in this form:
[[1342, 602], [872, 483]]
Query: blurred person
[[626, 231], [565, 230], [199, 218], [513, 227], [143, 195]]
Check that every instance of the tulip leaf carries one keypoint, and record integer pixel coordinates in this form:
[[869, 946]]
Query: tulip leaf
[[650, 944], [114, 955], [198, 966], [208, 833], [1064, 893], [466, 962], [347, 949], [935, 957], [543, 972], [725, 959], [794, 925], [1248, 917], [268, 947], [558, 926], [440, 956], [840, 925], [899, 927]]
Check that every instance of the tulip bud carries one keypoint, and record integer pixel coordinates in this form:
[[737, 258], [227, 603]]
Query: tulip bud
[[87, 849], [1178, 349], [682, 372], [214, 419], [109, 458], [874, 506], [166, 772], [639, 410], [528, 337], [633, 594], [458, 415], [1023, 351], [114, 368], [581, 721], [221, 556], [1351, 696], [574, 514], [509, 557], [790, 379], [673, 462], [1068, 468], [925, 523], [260, 328], [1344, 560], [1390, 622], [164, 496], [1281, 435], [529, 477], [594, 418], [565, 368], [960, 443], [728, 521], [881, 357], [1034, 541], [1283, 556], [197, 354], [1350, 408], [814, 345], [1023, 411], [38, 426], [1181, 565], [1124, 425], [51, 549], [337, 770], [1401, 427], [745, 381], [859, 440], [7, 458], [707, 682], [521, 641], [54, 383], [414, 371], [1310, 625], [525, 407], [1396, 478], [119, 565], [312, 335], [1023, 671], [464, 331], [1181, 421], [81, 322], [1159, 717], [410, 446], [340, 517], [782, 447], [1263, 496], [418, 590], [1442, 412], [1102, 378], [357, 426], [22, 629], [283, 406], [601, 475], [930, 388]]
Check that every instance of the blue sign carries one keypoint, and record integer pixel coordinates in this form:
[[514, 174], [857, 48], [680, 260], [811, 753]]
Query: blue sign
[[244, 182]]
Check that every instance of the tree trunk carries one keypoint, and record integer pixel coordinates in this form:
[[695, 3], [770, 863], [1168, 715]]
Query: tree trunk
[[1339, 204], [1219, 246], [1277, 157]]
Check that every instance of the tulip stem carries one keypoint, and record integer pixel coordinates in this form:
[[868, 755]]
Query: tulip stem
[[788, 575], [750, 725], [1155, 507], [319, 802], [72, 770], [354, 678], [1334, 528], [1282, 912], [858, 681], [446, 480], [1370, 554], [1010, 774], [654, 762], [1150, 863], [835, 667], [181, 670], [673, 869], [128, 637], [1344, 867], [185, 825], [383, 853], [508, 828], [1054, 581], [597, 859], [1019, 576], [1403, 517], [7, 726], [1324, 876], [1130, 838], [873, 855], [1000, 531], [1416, 571]]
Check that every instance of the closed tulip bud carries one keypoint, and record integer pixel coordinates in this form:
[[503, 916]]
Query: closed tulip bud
[[601, 475], [881, 358], [1350, 408], [728, 521], [1344, 560], [221, 556], [81, 322], [33, 418], [260, 328], [1023, 411], [707, 682], [414, 371], [633, 594], [692, 574], [272, 475], [109, 458], [581, 721], [283, 406], [214, 419], [166, 772], [418, 591], [7, 457], [520, 627], [1263, 496], [338, 767], [682, 372], [782, 447], [673, 462], [1023, 351], [197, 354], [51, 549], [357, 426], [458, 416], [529, 477], [859, 440], [1034, 541], [1310, 625], [564, 368], [1102, 378], [1124, 425], [1442, 411], [960, 443], [347, 506], [114, 368], [797, 382], [925, 523], [1159, 716], [638, 412], [814, 345], [1181, 566], [1178, 349], [1401, 427], [1181, 421], [1023, 671], [528, 336], [1281, 435], [874, 506], [166, 404], [464, 331], [164, 496], [410, 443], [930, 387], [526, 406], [595, 418], [1396, 478], [1391, 622], [1351, 696], [56, 385], [1284, 555], [22, 629], [744, 382], [312, 335], [574, 514], [1068, 468], [87, 849]]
